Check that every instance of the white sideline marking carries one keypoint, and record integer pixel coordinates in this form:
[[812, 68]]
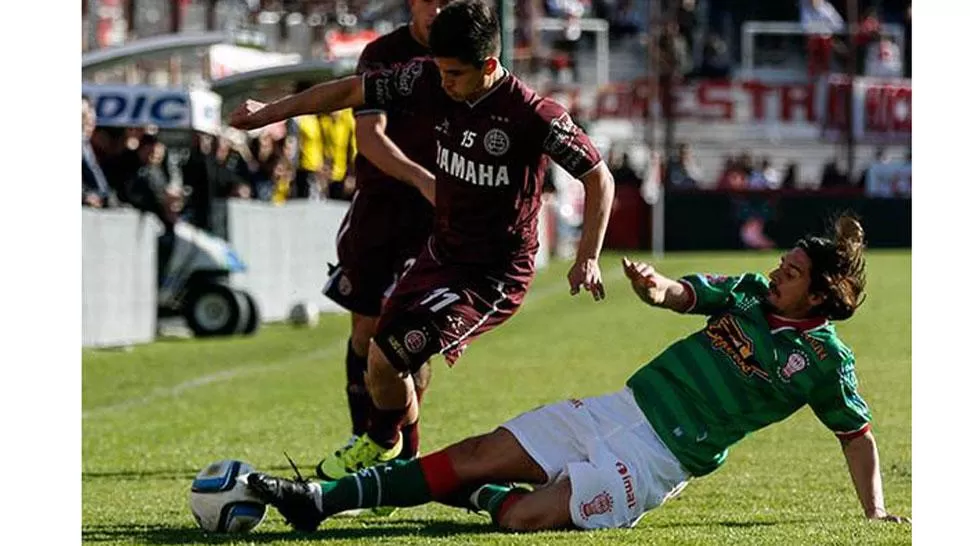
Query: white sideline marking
[[533, 298]]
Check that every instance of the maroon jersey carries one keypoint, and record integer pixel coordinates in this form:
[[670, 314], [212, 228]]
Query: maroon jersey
[[491, 159], [392, 49]]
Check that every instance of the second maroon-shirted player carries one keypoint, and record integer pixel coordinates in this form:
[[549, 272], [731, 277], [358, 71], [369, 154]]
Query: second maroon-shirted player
[[493, 137]]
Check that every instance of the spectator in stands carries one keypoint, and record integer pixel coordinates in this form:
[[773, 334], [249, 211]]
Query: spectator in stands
[[820, 20], [675, 58], [148, 190], [833, 176], [263, 159], [571, 11], [309, 147], [733, 177], [715, 58], [206, 181], [95, 190], [687, 23], [626, 17], [232, 155], [622, 169], [682, 172], [883, 58], [282, 181], [878, 158], [340, 149], [790, 181]]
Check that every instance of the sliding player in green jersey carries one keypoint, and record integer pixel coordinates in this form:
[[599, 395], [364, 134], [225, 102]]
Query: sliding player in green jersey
[[768, 349]]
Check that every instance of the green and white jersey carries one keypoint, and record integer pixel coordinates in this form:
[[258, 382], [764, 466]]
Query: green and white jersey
[[745, 370]]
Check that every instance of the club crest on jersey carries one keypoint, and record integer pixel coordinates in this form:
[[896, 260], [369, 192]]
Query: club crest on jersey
[[407, 76], [414, 341], [600, 504], [344, 286], [797, 361], [496, 142]]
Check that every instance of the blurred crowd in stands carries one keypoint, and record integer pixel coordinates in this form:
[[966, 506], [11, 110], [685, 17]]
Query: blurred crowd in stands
[[312, 157]]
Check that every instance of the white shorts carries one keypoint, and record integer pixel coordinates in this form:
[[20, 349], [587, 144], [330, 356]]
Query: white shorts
[[617, 466]]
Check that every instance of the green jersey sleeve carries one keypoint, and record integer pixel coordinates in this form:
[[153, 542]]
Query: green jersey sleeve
[[713, 294], [838, 404]]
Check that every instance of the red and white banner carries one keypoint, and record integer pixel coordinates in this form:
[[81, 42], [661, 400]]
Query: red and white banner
[[344, 45], [226, 60], [882, 109]]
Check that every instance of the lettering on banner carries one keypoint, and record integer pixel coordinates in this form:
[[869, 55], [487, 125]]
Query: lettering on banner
[[880, 107]]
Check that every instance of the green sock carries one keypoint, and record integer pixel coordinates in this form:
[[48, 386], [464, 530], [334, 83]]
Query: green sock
[[490, 498], [397, 483]]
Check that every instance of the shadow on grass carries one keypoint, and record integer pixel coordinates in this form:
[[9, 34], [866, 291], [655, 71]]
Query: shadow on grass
[[380, 529], [164, 473], [734, 524]]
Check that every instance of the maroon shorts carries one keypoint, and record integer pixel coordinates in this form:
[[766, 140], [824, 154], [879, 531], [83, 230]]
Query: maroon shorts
[[380, 234], [439, 309]]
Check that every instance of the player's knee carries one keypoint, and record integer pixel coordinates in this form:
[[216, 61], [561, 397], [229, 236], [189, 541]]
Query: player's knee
[[381, 375], [422, 378], [524, 516], [474, 458], [362, 330]]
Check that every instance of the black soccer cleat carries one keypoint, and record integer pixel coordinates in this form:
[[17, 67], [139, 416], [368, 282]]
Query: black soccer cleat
[[295, 500]]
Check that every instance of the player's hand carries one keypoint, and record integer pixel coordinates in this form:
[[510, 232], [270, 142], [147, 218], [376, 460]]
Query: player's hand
[[586, 274], [890, 518], [242, 116], [645, 283]]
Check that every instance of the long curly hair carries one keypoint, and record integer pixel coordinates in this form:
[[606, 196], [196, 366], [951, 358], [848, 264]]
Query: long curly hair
[[838, 267]]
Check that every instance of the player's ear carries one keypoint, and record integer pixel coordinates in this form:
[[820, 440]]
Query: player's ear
[[491, 65]]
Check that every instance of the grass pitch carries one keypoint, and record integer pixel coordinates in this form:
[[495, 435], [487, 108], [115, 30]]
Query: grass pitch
[[153, 416]]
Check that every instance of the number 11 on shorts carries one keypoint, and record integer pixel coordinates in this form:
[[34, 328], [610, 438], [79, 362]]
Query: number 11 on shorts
[[445, 298]]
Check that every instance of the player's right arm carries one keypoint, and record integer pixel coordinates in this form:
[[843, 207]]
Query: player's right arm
[[379, 149], [381, 89], [697, 294], [322, 98], [657, 290]]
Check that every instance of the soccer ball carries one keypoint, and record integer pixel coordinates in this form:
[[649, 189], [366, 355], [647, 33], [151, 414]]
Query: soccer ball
[[220, 500], [305, 313]]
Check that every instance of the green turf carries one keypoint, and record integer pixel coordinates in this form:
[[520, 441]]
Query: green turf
[[154, 416]]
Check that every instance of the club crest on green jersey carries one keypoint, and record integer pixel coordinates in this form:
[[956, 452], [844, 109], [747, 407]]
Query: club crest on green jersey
[[797, 361]]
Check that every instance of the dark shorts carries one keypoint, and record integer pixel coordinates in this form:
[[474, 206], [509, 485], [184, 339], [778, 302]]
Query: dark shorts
[[440, 309], [380, 235]]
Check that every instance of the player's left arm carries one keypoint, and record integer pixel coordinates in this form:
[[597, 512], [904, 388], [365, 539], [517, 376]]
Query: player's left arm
[[862, 457], [570, 147], [596, 215], [839, 406]]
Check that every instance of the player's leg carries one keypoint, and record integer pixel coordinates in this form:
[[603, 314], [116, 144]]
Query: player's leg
[[410, 431], [358, 399], [440, 476], [357, 283]]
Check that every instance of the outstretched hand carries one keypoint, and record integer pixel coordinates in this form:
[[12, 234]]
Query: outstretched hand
[[644, 279], [586, 274], [892, 519], [242, 117]]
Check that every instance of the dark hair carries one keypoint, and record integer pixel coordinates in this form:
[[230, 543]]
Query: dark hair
[[838, 267], [466, 30]]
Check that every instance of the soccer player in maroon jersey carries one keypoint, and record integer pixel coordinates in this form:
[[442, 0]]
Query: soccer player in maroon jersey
[[493, 137], [388, 222]]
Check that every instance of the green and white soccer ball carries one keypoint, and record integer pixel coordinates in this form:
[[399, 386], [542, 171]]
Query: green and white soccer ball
[[221, 501]]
